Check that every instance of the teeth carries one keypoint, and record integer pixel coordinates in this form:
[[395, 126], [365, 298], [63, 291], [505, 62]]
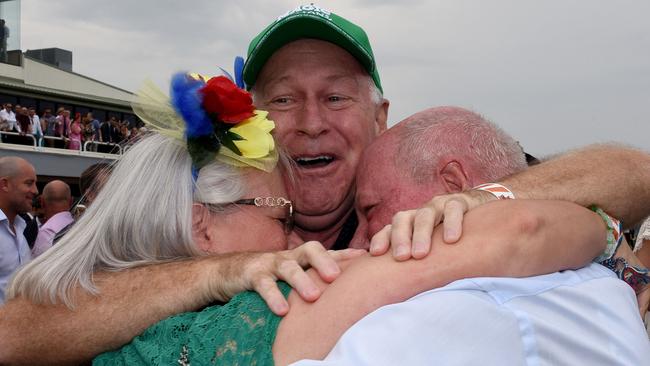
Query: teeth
[[314, 160], [307, 160]]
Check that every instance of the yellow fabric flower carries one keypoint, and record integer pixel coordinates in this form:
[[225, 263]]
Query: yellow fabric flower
[[256, 133]]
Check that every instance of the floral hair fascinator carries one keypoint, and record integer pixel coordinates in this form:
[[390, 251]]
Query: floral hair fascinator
[[214, 117]]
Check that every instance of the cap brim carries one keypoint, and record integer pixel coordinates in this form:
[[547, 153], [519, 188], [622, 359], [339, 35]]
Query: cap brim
[[294, 28]]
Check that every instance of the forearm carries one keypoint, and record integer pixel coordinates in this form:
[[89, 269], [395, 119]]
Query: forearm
[[129, 302], [500, 239], [134, 299], [611, 177]]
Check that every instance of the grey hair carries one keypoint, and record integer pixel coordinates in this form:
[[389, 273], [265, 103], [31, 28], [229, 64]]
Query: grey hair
[[141, 216], [455, 132]]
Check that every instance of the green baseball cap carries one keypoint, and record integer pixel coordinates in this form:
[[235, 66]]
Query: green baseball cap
[[309, 21]]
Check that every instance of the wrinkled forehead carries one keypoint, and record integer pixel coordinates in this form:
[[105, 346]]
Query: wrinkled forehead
[[381, 182], [309, 54]]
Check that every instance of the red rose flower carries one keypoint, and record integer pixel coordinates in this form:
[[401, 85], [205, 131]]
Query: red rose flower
[[223, 98]]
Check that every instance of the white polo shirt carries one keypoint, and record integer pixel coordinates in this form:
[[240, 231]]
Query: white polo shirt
[[583, 317]]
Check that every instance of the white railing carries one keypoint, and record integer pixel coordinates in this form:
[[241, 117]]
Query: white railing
[[54, 138], [38, 143], [119, 148], [34, 142]]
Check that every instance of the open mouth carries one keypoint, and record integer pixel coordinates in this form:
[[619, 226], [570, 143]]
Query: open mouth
[[314, 161]]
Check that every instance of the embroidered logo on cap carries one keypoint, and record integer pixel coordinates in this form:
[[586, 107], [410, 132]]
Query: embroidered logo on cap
[[308, 9]]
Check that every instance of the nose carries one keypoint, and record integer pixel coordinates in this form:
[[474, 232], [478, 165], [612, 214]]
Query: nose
[[312, 121]]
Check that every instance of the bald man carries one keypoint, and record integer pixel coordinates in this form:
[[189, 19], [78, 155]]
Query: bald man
[[56, 202], [571, 317], [17, 189]]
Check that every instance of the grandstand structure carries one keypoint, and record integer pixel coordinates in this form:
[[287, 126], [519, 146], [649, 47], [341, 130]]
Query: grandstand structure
[[35, 83], [44, 79]]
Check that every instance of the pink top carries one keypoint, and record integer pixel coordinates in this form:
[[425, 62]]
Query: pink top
[[75, 136], [46, 233]]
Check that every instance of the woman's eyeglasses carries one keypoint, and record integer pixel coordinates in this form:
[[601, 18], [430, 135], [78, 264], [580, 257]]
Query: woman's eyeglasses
[[273, 202], [270, 202]]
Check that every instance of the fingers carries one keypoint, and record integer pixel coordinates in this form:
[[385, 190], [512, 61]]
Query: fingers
[[345, 254], [313, 254], [401, 234], [269, 291], [380, 242], [423, 224], [453, 220], [295, 276]]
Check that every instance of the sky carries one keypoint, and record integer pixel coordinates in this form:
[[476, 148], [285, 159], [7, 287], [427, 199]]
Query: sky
[[555, 74]]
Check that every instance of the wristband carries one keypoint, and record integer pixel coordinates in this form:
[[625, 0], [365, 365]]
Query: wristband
[[637, 278], [614, 234], [497, 190]]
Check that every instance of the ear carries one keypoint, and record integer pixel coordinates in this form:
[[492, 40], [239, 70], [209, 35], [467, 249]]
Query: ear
[[454, 177], [200, 223], [4, 184], [381, 116]]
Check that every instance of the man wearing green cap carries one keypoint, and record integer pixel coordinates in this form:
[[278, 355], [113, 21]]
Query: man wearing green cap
[[315, 73]]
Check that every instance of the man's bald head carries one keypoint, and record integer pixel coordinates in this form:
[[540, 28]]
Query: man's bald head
[[442, 134], [56, 198], [437, 151], [17, 186], [56, 190], [10, 166]]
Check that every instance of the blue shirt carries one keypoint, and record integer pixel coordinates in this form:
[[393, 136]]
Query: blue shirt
[[14, 250], [582, 317]]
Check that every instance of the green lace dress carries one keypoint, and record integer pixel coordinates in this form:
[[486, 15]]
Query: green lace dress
[[240, 332]]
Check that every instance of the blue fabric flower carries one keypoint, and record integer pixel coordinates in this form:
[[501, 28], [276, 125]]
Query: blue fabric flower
[[187, 101]]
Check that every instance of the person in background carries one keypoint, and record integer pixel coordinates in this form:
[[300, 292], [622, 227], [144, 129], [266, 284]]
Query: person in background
[[17, 190], [134, 134], [7, 121], [97, 129], [124, 133], [60, 128], [7, 117], [36, 127], [56, 201], [75, 133], [50, 127], [23, 124], [33, 221], [91, 182], [115, 132], [87, 133]]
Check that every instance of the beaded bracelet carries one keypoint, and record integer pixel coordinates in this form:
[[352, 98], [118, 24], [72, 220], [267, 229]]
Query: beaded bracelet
[[637, 278], [497, 190], [614, 234]]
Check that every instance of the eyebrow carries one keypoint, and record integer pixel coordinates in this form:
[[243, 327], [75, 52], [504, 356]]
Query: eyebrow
[[269, 84]]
